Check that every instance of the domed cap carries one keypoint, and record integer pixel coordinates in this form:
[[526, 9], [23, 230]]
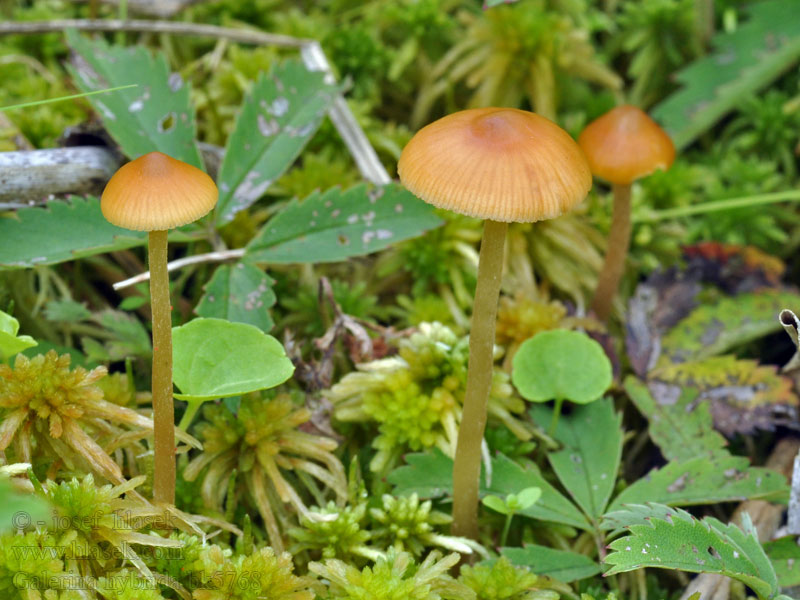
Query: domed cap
[[625, 144], [157, 192], [501, 164]]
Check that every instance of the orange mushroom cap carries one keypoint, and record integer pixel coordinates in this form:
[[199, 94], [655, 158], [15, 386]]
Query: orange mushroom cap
[[625, 144], [157, 192], [501, 164]]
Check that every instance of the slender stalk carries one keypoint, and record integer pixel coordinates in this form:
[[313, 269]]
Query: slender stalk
[[556, 414], [163, 410], [618, 241], [506, 528], [467, 466], [717, 205], [188, 416]]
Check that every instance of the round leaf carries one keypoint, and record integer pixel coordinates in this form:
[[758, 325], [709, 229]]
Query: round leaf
[[10, 342], [528, 497], [215, 358], [561, 364], [496, 504]]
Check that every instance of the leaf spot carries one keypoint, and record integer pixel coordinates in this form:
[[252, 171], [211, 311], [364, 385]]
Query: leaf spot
[[175, 82], [166, 123], [268, 128]]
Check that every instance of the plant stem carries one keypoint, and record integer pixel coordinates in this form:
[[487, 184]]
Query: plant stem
[[467, 465], [556, 414], [506, 527], [188, 415], [163, 409], [618, 241], [717, 205]]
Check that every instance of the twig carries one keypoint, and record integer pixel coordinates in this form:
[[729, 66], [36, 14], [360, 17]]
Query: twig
[[219, 256], [311, 52]]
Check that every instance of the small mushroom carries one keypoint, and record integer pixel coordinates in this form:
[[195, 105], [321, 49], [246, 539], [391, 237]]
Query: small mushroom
[[622, 146], [155, 193], [502, 165]]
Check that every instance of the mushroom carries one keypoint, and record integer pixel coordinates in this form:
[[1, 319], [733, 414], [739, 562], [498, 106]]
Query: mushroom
[[502, 165], [622, 146], [155, 193]]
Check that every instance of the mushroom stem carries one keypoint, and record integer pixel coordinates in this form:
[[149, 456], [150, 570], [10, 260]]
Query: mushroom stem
[[163, 410], [619, 238], [467, 466]]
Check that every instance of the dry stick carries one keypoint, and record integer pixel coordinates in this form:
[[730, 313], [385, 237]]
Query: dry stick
[[618, 242], [163, 409], [311, 52], [766, 518], [467, 466]]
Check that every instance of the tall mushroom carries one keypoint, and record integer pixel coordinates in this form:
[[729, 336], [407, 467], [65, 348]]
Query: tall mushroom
[[622, 146], [155, 193], [502, 165]]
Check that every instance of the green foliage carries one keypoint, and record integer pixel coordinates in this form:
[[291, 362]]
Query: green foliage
[[544, 367], [500, 581], [334, 532], [743, 62], [15, 504], [63, 231], [215, 358], [241, 293], [560, 564], [278, 117], [785, 556], [513, 502], [156, 115], [339, 224], [673, 539], [10, 342]]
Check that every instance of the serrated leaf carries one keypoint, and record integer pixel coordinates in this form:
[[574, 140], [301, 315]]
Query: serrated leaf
[[279, 115], [785, 556], [339, 224], [214, 358], [67, 311], [743, 61], [62, 231], [705, 480], [588, 463], [544, 367], [155, 115], [130, 336], [10, 342], [560, 564], [744, 396], [241, 293], [674, 539], [681, 427], [713, 329], [430, 475]]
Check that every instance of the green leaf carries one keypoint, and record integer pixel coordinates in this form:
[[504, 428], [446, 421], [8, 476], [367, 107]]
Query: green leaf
[[430, 475], [682, 428], [10, 342], [130, 336], [785, 556], [241, 293], [155, 115], [496, 504], [705, 480], [19, 510], [561, 364], [587, 465], [214, 358], [62, 231], [526, 498], [67, 311], [743, 61], [713, 329], [560, 564], [673, 539], [339, 224], [278, 117]]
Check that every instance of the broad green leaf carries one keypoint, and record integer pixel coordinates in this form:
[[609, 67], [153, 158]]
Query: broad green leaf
[[155, 115], [587, 465], [713, 329], [496, 504], [705, 480], [743, 61], [682, 428], [785, 556], [560, 564], [60, 232], [430, 475], [339, 224], [673, 539], [279, 115], [20, 510], [561, 364], [67, 311], [241, 293], [10, 342], [214, 358], [130, 338]]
